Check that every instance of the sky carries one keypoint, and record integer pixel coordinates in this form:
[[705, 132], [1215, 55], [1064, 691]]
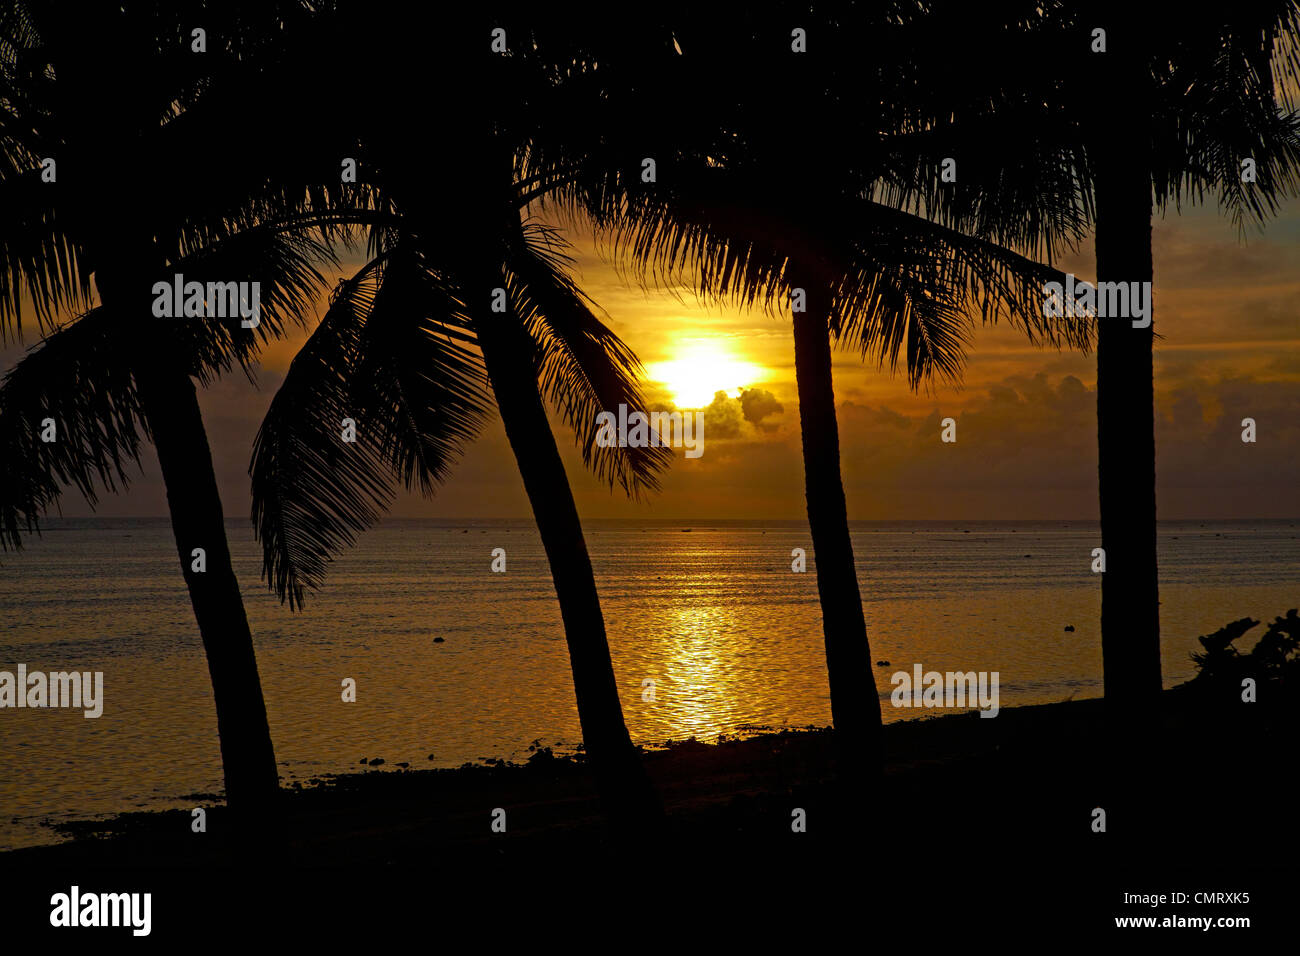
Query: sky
[[1227, 309]]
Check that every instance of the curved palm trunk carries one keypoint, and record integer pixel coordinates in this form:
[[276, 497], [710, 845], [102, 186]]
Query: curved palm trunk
[[1130, 614], [855, 703], [173, 416], [622, 779], [171, 411]]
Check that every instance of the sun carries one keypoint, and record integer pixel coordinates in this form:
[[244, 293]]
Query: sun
[[703, 367]]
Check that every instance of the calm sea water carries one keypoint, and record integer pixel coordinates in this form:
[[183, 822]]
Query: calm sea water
[[714, 616]]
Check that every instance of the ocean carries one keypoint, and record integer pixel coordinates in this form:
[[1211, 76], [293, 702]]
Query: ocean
[[711, 612]]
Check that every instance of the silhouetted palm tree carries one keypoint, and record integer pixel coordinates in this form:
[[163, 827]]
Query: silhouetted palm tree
[[115, 97], [765, 159], [1165, 114], [396, 352], [1189, 100]]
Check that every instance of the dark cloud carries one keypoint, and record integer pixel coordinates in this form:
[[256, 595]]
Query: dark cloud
[[757, 404], [1202, 464], [730, 418], [723, 417], [1028, 449]]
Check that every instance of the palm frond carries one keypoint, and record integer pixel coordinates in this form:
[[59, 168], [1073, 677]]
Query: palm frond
[[584, 367], [79, 376], [996, 89], [38, 261], [905, 287], [285, 267], [416, 380], [700, 227], [312, 493], [1227, 93], [391, 355], [908, 288]]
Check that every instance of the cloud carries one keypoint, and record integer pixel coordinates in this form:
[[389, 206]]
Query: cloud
[[1202, 462], [723, 417], [730, 418], [757, 404], [1027, 448]]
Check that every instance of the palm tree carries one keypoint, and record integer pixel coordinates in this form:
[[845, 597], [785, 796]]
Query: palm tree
[[413, 350], [1185, 103], [1189, 103], [748, 208], [395, 352], [96, 92]]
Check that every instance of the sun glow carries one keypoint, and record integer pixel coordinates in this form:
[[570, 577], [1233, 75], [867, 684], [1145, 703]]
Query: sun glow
[[703, 367]]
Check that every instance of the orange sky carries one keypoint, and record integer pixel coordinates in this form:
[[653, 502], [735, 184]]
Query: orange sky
[[1230, 323]]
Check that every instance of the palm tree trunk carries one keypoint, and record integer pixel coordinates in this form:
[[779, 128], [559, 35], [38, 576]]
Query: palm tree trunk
[[855, 703], [625, 787], [174, 419], [127, 256], [1130, 614]]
